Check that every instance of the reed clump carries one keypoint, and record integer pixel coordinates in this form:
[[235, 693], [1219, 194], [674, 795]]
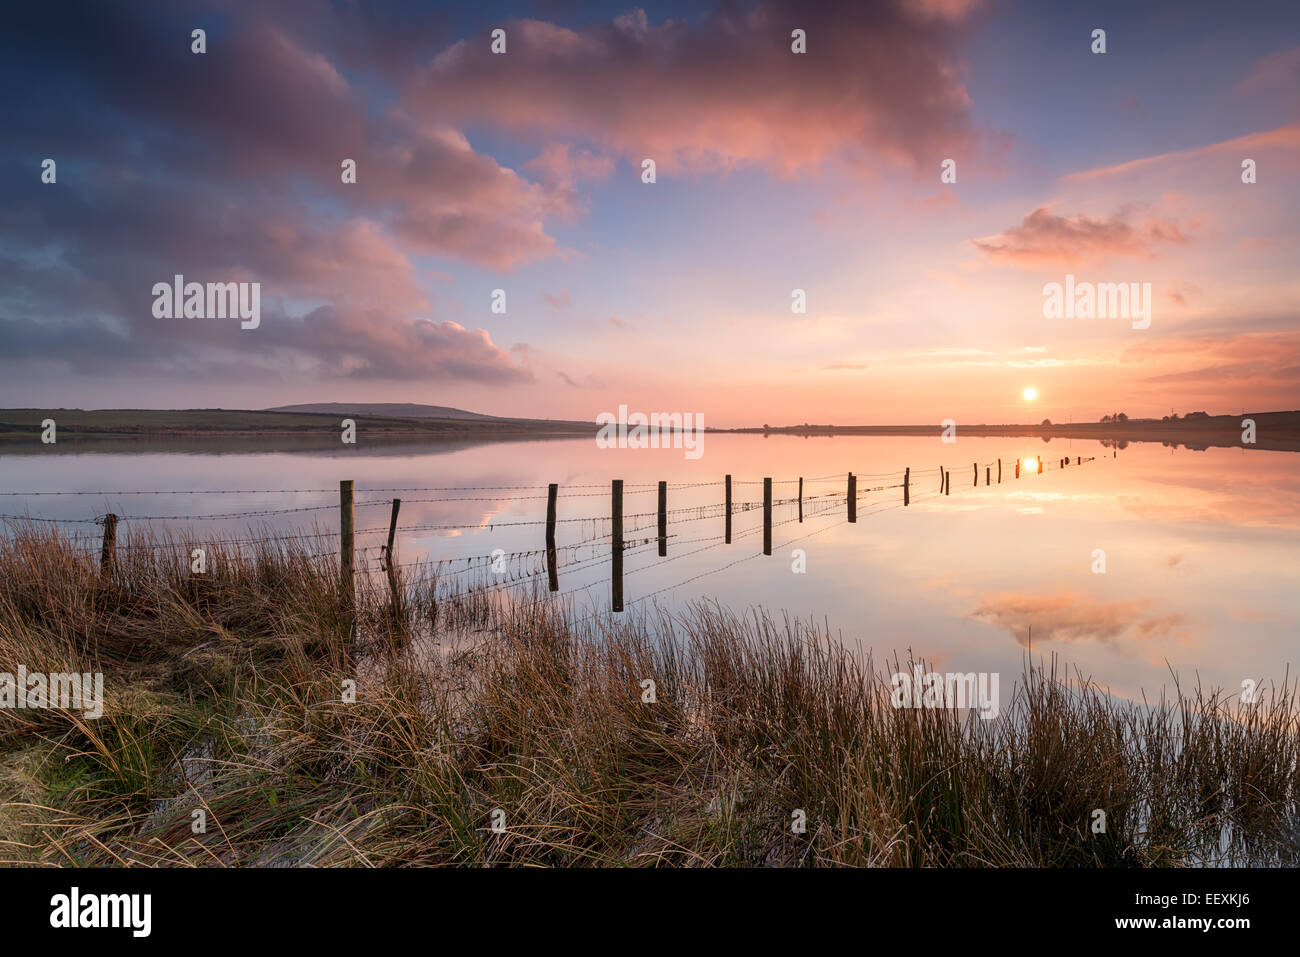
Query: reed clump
[[242, 725]]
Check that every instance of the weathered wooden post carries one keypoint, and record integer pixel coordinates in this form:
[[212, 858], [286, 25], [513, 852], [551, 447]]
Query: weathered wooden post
[[348, 559], [800, 499], [389, 565], [976, 466], [108, 553], [663, 519], [853, 497], [947, 482], [767, 516], [728, 535], [616, 554], [392, 533], [1017, 468], [1040, 465], [552, 572], [999, 471], [907, 481], [987, 471]]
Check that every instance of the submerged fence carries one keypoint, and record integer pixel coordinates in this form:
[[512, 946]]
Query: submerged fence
[[622, 538]]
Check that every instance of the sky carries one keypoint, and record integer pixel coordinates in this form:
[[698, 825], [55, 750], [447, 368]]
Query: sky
[[775, 171]]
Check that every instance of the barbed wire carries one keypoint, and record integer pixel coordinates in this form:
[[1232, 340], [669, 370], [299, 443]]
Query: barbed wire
[[627, 488], [812, 506]]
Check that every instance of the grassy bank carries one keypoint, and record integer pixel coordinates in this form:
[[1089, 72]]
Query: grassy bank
[[224, 694], [20, 425]]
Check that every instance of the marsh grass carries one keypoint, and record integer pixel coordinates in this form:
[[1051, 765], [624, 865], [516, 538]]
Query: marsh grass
[[225, 694]]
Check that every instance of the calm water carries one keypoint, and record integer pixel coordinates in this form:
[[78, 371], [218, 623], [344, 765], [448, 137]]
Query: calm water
[[1200, 547]]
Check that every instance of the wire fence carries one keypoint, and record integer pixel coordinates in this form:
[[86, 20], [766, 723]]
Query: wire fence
[[610, 537]]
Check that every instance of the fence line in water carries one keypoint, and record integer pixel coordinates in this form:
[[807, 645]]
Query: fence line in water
[[620, 541]]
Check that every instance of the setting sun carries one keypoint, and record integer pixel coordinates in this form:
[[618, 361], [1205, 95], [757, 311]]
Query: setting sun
[[1031, 464], [1031, 394]]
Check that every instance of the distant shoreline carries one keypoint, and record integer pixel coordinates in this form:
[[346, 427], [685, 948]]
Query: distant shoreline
[[1275, 431], [20, 424]]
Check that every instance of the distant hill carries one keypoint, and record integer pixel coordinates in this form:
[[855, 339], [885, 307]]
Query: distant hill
[[403, 410], [304, 420]]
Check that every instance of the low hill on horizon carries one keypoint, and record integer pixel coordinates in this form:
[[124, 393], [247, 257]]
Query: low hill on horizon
[[25, 423], [403, 410]]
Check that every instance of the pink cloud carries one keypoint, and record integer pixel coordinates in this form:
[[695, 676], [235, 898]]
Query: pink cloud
[[288, 115], [878, 80], [1286, 138], [366, 343], [563, 165], [560, 168], [1044, 237], [942, 9], [559, 300], [1066, 617], [1279, 70]]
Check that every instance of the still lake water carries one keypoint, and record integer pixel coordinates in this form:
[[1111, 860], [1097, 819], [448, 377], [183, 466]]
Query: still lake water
[[1202, 551]]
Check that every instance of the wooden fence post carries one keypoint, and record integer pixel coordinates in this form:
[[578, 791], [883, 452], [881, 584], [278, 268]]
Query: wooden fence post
[[999, 471], [947, 482], [907, 482], [1017, 468], [389, 565], [767, 516], [987, 471], [853, 497], [800, 499], [976, 467], [728, 536], [1040, 465], [616, 518], [392, 533], [663, 519], [552, 573], [348, 558], [108, 553]]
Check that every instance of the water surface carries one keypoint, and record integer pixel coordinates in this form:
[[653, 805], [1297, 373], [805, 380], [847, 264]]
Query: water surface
[[1201, 557]]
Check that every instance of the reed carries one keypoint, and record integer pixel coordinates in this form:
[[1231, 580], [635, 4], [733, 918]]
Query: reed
[[226, 695]]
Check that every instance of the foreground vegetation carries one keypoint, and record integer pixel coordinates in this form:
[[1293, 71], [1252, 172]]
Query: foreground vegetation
[[225, 695]]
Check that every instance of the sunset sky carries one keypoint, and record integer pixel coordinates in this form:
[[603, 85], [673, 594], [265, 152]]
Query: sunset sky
[[775, 171]]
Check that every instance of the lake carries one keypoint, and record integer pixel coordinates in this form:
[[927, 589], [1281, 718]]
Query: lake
[[1200, 547]]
